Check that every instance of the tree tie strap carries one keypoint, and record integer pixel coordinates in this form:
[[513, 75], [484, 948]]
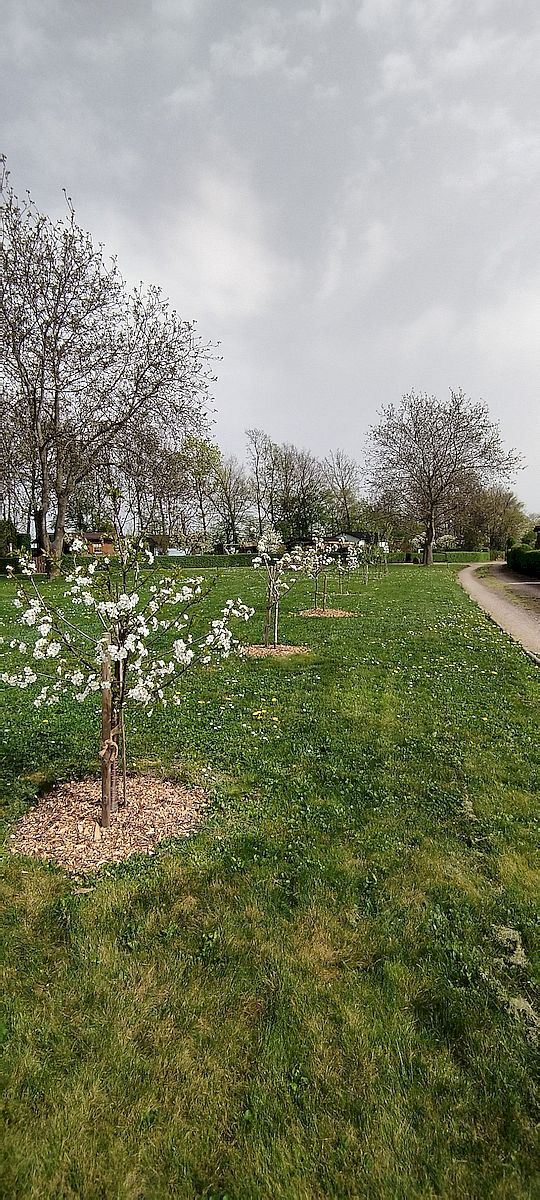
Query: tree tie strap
[[110, 748]]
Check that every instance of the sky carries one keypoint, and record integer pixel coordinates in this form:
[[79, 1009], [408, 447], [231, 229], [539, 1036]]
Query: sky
[[344, 194]]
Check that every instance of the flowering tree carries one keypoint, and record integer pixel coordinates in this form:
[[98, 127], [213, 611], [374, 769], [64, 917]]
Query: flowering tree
[[131, 640], [278, 568], [316, 563], [347, 561]]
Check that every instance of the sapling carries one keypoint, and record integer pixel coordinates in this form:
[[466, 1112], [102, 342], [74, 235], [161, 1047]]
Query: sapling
[[130, 640], [278, 567]]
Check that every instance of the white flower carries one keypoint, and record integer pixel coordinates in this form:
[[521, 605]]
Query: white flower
[[126, 604], [139, 692], [53, 649]]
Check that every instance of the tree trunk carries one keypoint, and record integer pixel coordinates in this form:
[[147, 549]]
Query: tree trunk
[[59, 527], [40, 525], [427, 556]]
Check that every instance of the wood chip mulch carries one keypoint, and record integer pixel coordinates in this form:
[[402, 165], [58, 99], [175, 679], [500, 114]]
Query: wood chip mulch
[[273, 651], [325, 612], [65, 824]]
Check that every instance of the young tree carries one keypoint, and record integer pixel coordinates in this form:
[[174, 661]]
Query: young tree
[[81, 359], [129, 638], [428, 451]]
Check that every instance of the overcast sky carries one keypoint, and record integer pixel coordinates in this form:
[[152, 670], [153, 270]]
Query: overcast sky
[[343, 193]]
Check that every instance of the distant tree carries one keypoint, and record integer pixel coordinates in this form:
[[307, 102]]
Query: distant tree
[[299, 493], [340, 475], [428, 451], [231, 496], [81, 359], [199, 460], [488, 517], [259, 452]]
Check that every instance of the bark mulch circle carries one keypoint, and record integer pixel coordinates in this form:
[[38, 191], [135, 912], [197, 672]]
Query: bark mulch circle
[[65, 824], [325, 612], [273, 651]]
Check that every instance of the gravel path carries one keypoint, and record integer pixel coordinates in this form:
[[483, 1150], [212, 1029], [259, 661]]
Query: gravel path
[[512, 601]]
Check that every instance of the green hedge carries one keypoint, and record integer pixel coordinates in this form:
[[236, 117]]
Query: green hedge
[[192, 561], [524, 560], [461, 556], [441, 556]]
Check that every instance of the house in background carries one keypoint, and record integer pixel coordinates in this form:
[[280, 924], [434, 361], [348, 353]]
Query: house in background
[[99, 543]]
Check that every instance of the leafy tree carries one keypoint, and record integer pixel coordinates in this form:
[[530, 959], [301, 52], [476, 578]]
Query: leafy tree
[[488, 516], [8, 537], [199, 460], [428, 451]]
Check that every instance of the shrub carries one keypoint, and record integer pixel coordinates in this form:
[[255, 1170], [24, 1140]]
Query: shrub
[[205, 560], [524, 560], [8, 537], [8, 560], [461, 556]]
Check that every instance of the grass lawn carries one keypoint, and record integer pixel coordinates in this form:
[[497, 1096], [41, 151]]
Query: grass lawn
[[309, 998]]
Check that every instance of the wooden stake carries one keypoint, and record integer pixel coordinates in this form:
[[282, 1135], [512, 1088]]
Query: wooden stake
[[276, 619], [106, 730]]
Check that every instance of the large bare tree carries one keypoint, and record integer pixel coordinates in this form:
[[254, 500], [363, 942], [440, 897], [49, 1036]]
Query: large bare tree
[[340, 474], [82, 360], [231, 496], [429, 451]]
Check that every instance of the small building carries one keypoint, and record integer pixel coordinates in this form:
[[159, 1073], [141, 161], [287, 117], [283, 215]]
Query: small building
[[99, 543]]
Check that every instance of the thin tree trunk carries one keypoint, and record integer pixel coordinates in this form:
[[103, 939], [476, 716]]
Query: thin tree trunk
[[276, 621], [429, 542]]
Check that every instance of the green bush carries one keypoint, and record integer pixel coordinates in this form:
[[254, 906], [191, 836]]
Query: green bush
[[8, 537], [191, 561], [9, 560], [461, 556], [524, 560]]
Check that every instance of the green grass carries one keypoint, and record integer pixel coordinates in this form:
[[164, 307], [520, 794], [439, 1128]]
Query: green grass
[[307, 999]]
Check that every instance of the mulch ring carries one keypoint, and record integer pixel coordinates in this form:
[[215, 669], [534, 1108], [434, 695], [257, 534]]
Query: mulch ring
[[65, 824], [325, 612], [273, 651]]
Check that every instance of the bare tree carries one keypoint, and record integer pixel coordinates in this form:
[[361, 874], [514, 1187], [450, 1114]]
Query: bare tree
[[231, 496], [259, 450], [428, 451], [341, 473], [81, 359]]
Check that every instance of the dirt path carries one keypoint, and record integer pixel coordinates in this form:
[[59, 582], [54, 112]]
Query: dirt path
[[512, 601]]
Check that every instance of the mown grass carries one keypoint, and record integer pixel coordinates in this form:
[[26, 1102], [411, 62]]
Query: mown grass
[[307, 999]]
